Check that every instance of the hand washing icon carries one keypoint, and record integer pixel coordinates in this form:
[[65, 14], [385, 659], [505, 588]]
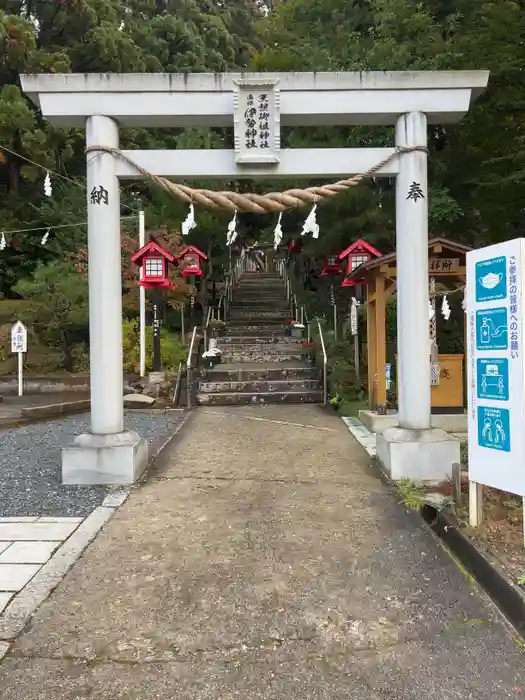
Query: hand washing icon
[[490, 280], [488, 331]]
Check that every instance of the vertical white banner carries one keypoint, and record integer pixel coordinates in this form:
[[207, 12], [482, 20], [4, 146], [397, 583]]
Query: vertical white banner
[[495, 359]]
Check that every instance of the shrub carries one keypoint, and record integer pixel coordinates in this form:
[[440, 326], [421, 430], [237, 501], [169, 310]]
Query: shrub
[[80, 354], [13, 310], [172, 351]]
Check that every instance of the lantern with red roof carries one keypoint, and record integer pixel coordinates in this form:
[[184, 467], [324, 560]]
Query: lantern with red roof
[[355, 255], [153, 259], [190, 258], [331, 266]]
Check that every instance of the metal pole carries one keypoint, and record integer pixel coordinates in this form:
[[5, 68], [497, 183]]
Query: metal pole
[[157, 362], [20, 373], [183, 334], [456, 484], [142, 300], [335, 321], [356, 357]]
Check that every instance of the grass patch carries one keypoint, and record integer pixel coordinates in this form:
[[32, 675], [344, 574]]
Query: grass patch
[[350, 407], [411, 492]]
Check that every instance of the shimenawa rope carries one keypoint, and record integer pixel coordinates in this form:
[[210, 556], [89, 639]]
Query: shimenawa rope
[[251, 202]]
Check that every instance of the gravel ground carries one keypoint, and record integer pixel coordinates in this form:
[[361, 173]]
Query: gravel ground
[[30, 464]]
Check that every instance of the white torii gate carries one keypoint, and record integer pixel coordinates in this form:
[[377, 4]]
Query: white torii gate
[[102, 103]]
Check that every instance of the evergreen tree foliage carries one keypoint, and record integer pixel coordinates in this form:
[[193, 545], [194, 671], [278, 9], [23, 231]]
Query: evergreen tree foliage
[[477, 168]]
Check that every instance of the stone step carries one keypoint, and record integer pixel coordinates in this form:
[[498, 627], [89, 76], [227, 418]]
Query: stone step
[[249, 323], [269, 343], [247, 398], [261, 273], [251, 310], [265, 340], [274, 287], [261, 276], [257, 371], [242, 327], [259, 302], [258, 331], [265, 348], [277, 290], [275, 316], [260, 356], [260, 387], [259, 292], [263, 300]]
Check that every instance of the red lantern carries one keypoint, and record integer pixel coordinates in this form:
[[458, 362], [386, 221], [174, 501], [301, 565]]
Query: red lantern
[[154, 262], [355, 255], [191, 257], [331, 266]]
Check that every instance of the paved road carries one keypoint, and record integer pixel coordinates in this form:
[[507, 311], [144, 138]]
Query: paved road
[[264, 560]]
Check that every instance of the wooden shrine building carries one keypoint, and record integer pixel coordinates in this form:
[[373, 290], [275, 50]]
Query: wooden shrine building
[[447, 271]]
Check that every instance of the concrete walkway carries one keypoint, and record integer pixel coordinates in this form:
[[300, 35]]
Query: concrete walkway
[[264, 560]]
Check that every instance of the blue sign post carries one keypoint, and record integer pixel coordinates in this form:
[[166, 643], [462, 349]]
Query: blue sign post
[[496, 369]]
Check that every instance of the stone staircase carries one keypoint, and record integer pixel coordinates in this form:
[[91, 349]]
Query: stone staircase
[[259, 363]]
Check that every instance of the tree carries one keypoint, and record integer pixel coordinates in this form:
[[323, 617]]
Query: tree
[[89, 36], [59, 297]]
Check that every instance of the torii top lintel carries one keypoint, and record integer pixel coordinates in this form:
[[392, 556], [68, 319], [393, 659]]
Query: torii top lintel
[[207, 99]]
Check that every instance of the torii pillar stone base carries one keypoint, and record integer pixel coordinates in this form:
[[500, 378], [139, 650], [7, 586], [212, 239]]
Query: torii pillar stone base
[[422, 455], [104, 459]]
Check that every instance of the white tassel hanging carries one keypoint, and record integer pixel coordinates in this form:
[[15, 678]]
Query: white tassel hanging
[[430, 311], [311, 225], [464, 302], [189, 222], [278, 232], [48, 190], [3, 242], [232, 230], [445, 308], [44, 238]]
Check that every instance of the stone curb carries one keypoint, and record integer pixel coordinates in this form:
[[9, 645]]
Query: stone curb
[[33, 414], [54, 409], [507, 596], [19, 612]]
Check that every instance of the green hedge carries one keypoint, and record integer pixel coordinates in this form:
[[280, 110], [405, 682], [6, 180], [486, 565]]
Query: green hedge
[[172, 350]]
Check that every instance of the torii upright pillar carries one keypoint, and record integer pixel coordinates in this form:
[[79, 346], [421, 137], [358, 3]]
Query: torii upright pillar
[[108, 454], [414, 449]]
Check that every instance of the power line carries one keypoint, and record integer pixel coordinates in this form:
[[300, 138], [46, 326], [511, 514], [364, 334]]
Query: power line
[[57, 174], [52, 226]]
